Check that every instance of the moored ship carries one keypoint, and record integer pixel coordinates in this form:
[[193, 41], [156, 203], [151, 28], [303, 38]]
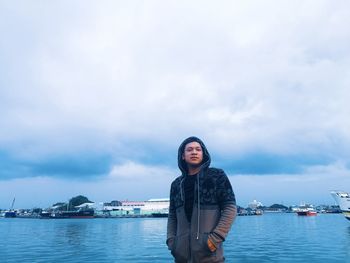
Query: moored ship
[[11, 213], [86, 213], [343, 200], [306, 210], [159, 214]]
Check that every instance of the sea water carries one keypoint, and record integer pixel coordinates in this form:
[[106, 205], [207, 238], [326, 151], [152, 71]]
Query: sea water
[[267, 238]]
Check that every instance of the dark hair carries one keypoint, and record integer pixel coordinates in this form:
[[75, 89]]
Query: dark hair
[[206, 156]]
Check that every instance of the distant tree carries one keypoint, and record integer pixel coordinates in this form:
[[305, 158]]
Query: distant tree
[[73, 202], [278, 206], [60, 206], [78, 200], [36, 210], [239, 208]]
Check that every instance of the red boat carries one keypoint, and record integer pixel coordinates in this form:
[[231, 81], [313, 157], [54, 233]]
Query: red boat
[[306, 213], [306, 210]]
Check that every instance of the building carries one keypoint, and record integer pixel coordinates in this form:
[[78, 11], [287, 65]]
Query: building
[[137, 208]]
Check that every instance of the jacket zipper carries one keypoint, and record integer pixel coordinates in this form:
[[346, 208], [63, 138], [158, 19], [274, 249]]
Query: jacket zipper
[[189, 243], [198, 204]]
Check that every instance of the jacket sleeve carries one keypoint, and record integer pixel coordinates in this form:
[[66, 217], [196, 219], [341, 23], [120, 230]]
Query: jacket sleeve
[[172, 220], [227, 203]]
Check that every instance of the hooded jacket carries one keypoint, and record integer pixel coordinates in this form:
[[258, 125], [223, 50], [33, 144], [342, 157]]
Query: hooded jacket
[[214, 210]]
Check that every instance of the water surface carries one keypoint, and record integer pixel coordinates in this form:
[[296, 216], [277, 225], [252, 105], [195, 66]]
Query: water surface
[[266, 238]]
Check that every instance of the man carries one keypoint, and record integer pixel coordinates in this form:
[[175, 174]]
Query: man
[[202, 207]]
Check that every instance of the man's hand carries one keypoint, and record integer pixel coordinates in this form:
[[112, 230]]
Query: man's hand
[[170, 243], [211, 245]]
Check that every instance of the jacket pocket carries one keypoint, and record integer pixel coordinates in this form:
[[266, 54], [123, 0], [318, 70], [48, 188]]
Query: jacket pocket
[[205, 243], [180, 248], [200, 246]]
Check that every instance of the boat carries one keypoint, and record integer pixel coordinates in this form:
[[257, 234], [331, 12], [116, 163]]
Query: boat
[[306, 210], [82, 213], [258, 212], [11, 213], [88, 213], [343, 200], [159, 214]]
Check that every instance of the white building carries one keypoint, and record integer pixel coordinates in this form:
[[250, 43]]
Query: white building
[[151, 206]]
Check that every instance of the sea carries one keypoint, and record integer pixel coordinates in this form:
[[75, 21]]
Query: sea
[[272, 237]]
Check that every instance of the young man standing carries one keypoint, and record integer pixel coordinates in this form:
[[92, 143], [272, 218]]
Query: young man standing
[[202, 207]]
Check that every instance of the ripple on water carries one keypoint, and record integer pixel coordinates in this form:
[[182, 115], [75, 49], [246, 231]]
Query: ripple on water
[[267, 238]]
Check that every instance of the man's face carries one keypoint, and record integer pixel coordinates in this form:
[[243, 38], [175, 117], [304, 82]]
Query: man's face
[[193, 154]]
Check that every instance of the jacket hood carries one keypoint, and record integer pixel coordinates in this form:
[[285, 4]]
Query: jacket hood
[[206, 156]]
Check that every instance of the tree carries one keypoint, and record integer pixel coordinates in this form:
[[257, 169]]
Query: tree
[[60, 206], [73, 202], [37, 210], [78, 200], [278, 206]]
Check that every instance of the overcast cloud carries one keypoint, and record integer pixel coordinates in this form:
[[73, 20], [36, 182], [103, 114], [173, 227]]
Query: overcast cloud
[[95, 97]]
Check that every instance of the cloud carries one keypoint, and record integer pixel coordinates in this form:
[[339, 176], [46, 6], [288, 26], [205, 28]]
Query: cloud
[[83, 89], [83, 165], [132, 170], [133, 181], [266, 163], [312, 186]]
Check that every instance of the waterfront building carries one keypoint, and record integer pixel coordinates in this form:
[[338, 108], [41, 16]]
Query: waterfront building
[[151, 207]]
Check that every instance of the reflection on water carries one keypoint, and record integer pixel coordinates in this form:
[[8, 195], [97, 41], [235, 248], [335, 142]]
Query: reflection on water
[[347, 246], [267, 238], [288, 238], [73, 233]]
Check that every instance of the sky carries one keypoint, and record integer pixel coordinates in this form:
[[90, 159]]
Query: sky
[[96, 97]]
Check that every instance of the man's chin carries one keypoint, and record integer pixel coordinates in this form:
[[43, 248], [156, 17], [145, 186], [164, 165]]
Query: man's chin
[[195, 165]]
